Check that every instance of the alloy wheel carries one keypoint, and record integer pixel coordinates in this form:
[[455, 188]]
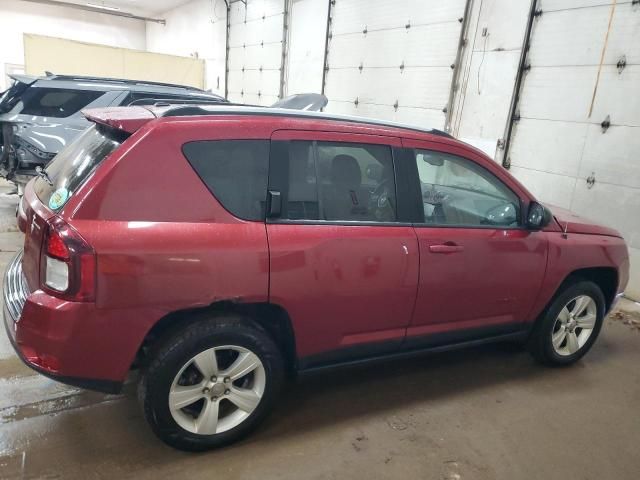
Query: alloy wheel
[[217, 390], [574, 325]]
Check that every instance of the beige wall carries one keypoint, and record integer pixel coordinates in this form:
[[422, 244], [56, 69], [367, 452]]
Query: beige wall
[[70, 57]]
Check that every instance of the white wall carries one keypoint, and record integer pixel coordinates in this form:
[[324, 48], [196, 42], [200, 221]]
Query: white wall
[[196, 28], [307, 34], [18, 17]]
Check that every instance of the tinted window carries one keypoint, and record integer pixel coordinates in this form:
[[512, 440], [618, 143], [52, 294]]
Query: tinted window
[[340, 182], [56, 102], [75, 163], [235, 171], [456, 191]]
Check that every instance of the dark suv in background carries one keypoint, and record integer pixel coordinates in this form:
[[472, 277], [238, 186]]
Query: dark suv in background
[[39, 116]]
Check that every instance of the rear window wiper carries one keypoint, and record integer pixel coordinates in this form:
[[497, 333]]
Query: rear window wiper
[[44, 175]]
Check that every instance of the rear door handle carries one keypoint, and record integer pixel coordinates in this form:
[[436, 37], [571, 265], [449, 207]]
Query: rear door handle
[[446, 248]]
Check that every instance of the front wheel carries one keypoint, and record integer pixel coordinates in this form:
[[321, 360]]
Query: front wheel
[[211, 383], [570, 325]]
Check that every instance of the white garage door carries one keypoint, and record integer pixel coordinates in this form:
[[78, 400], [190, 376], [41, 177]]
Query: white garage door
[[393, 60], [558, 150], [255, 51]]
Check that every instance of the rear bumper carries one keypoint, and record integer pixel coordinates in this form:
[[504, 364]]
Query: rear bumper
[[43, 330]]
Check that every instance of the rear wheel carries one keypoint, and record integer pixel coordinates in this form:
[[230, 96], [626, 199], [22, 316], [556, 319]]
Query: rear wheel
[[211, 383], [570, 325]]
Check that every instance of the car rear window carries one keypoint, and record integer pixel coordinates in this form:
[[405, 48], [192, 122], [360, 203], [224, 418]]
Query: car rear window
[[235, 171], [56, 102], [75, 163]]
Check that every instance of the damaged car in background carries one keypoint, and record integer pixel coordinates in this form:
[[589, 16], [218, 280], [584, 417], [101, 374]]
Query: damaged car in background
[[39, 116]]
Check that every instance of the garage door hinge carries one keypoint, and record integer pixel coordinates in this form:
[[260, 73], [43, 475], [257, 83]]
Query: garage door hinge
[[360, 67], [461, 19], [365, 30], [356, 102], [537, 13], [395, 106], [516, 117], [408, 25], [622, 62], [606, 124], [402, 67], [500, 144], [591, 180]]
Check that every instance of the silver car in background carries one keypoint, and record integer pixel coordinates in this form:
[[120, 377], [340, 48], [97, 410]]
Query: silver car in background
[[40, 115]]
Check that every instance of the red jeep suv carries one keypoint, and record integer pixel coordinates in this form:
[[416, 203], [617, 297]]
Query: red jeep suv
[[219, 249]]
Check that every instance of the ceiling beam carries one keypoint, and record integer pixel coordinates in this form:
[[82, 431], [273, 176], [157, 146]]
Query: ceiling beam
[[88, 8]]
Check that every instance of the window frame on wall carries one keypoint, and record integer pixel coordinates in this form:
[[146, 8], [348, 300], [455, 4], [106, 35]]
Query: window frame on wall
[[418, 212], [279, 174]]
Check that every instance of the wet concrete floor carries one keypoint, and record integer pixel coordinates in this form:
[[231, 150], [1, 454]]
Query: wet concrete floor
[[484, 413]]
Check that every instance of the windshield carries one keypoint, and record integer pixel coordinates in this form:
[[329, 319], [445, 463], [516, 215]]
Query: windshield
[[74, 164]]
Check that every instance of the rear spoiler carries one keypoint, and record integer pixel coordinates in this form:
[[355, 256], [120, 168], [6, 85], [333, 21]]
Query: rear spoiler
[[127, 119]]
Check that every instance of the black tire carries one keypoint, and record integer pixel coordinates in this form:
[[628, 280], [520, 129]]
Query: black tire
[[177, 348], [540, 343]]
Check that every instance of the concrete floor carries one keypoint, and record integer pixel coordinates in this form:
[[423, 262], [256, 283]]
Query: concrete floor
[[485, 413]]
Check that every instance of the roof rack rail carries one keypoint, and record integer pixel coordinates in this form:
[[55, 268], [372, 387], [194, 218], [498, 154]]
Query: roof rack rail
[[120, 80], [239, 109]]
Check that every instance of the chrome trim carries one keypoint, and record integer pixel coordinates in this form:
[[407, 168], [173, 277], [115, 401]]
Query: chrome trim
[[16, 289]]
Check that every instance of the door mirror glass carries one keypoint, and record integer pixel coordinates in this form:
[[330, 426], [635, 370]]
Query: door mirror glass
[[538, 216], [505, 214]]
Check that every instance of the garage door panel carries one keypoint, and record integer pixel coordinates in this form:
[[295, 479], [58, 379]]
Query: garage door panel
[[428, 45], [562, 93], [266, 82], [256, 32], [618, 96], [256, 56], [482, 118], [614, 205], [548, 187], [386, 86], [553, 147], [255, 9], [555, 5], [255, 99], [419, 117], [606, 155], [625, 26], [581, 26], [355, 15]]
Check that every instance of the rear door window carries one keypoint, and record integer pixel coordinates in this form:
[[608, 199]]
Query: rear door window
[[75, 163], [235, 171], [340, 182], [56, 102]]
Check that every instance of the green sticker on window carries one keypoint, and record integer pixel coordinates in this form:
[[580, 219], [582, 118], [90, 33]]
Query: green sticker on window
[[58, 198]]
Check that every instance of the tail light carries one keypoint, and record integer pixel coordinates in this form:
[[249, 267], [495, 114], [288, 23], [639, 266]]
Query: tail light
[[68, 264]]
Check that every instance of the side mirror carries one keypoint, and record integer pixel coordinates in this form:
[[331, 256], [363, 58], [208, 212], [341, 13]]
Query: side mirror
[[538, 216]]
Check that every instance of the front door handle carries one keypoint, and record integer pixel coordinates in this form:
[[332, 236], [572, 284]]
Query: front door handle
[[448, 247]]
